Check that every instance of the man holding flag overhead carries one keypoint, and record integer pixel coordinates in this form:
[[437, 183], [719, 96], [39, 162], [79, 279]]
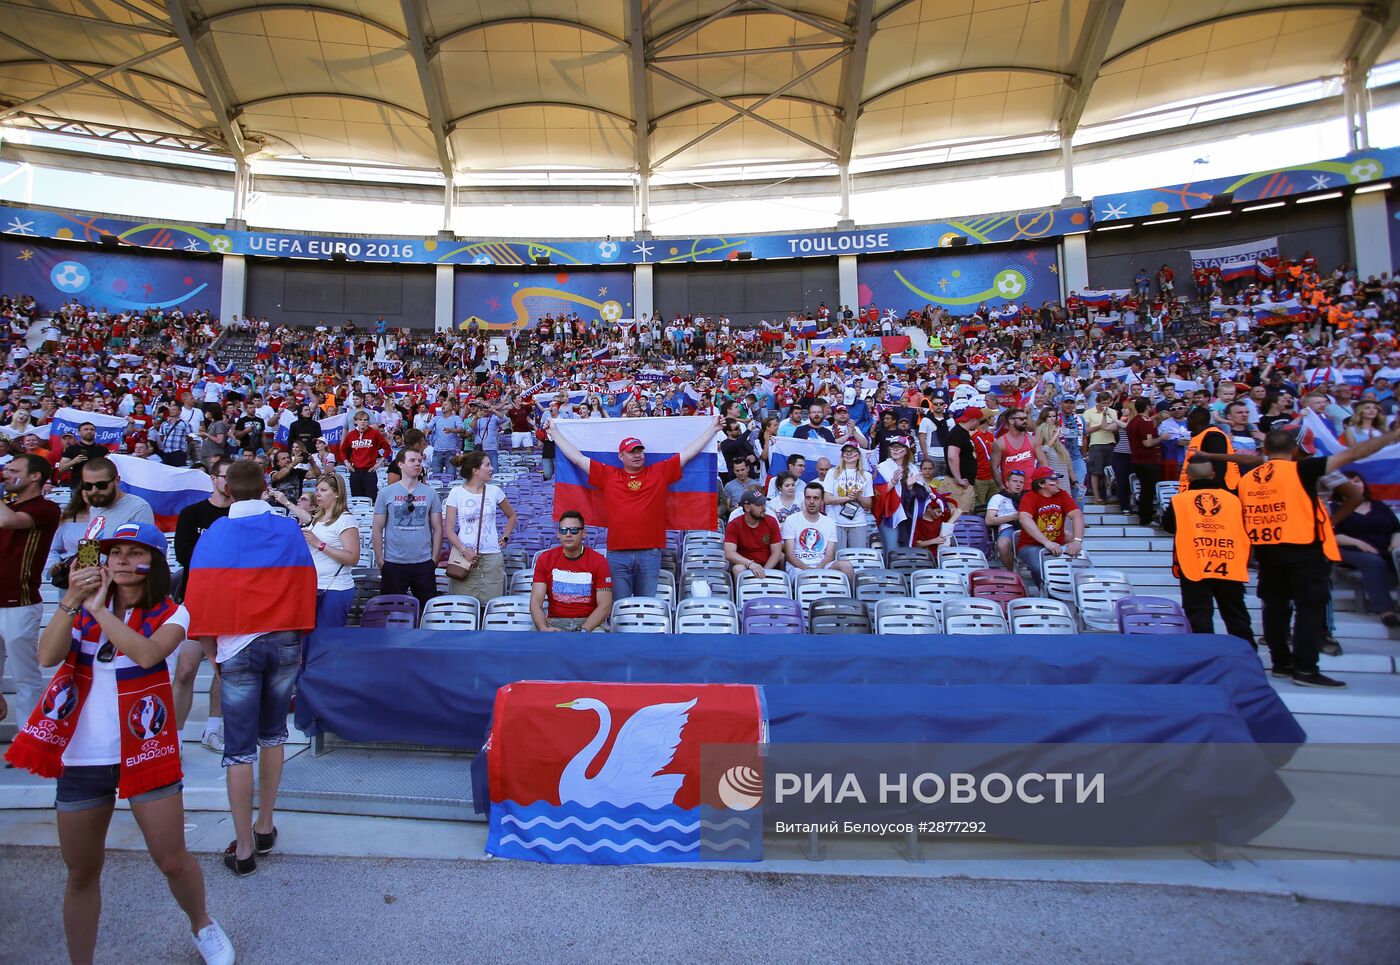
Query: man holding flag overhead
[[634, 497]]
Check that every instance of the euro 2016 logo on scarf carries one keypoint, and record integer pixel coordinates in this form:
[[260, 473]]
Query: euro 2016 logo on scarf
[[146, 718], [60, 700], [1207, 504]]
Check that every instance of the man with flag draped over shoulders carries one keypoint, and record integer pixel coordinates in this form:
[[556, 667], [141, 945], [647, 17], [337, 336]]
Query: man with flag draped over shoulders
[[635, 499], [252, 589]]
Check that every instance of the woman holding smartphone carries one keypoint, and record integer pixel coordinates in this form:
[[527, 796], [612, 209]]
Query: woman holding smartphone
[[105, 728]]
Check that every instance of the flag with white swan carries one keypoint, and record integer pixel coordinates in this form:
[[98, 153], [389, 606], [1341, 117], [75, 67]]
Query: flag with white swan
[[610, 773]]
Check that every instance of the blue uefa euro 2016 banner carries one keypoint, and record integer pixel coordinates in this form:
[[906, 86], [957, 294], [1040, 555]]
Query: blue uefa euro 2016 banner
[[960, 282], [1341, 172], [116, 280], [1047, 223], [519, 299]]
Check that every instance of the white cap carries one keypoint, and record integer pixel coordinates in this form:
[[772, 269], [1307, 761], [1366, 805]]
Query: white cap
[[983, 385]]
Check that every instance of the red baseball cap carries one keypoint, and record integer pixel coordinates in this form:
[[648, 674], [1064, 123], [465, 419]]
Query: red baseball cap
[[1044, 472], [630, 443]]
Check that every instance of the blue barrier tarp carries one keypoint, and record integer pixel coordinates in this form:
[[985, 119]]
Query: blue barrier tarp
[[438, 687]]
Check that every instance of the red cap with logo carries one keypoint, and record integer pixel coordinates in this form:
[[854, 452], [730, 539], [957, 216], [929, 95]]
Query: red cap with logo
[[630, 443]]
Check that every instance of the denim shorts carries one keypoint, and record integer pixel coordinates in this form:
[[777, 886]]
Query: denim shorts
[[256, 686], [85, 787]]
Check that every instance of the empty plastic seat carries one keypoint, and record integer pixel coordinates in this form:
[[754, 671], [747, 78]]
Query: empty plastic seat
[[906, 616], [1057, 575], [936, 584], [1040, 615], [831, 614], [974, 623], [1001, 586], [641, 614], [521, 582], [666, 586], [452, 612], [861, 559], [718, 581], [1096, 595], [1151, 614], [706, 615], [771, 583], [508, 613], [394, 610], [872, 585], [809, 585], [773, 615], [908, 559]]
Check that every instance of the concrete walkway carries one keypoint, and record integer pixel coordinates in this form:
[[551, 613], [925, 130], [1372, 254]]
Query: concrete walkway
[[311, 910]]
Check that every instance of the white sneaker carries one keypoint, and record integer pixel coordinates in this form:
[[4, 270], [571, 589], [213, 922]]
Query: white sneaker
[[213, 945], [214, 740]]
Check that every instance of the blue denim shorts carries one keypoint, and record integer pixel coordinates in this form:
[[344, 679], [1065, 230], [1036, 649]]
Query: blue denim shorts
[[256, 685], [85, 787]]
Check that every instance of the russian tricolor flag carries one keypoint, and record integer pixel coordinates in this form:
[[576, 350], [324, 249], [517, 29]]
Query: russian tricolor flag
[[166, 488], [783, 447], [1381, 471], [692, 502], [253, 574], [111, 429], [807, 328], [1102, 297]]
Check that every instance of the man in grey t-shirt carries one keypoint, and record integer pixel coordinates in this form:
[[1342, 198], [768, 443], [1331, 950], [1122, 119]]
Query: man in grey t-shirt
[[408, 533]]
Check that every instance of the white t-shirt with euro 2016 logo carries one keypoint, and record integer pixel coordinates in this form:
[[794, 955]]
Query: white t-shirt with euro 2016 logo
[[809, 539]]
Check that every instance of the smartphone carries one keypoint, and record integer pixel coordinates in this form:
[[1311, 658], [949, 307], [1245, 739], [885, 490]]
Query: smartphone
[[89, 549]]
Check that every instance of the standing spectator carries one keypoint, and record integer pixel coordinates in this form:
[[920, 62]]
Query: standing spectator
[[364, 450], [733, 491], [522, 424], [572, 581], [487, 432], [98, 493], [636, 499], [305, 429], [1016, 448], [1101, 427], [248, 431], [114, 629], [171, 437], [331, 532], [1072, 436], [252, 589], [471, 530], [900, 474], [1048, 516], [753, 542], [413, 441], [408, 533], [78, 451], [1210, 554], [445, 433], [962, 458], [809, 537], [192, 523], [28, 522], [849, 494], [213, 438], [1147, 459]]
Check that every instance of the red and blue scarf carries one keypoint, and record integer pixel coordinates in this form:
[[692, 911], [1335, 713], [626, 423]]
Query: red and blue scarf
[[150, 744]]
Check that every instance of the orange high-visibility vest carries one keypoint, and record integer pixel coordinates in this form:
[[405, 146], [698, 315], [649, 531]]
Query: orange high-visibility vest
[[1232, 471], [1276, 509], [1211, 543]]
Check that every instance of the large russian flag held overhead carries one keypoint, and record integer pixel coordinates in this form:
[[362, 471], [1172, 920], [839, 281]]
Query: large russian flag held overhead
[[111, 429], [332, 428], [1102, 297], [166, 488], [1381, 471], [251, 575], [781, 449], [691, 503]]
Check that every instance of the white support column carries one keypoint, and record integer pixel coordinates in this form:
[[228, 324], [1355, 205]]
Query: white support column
[[844, 222], [643, 291], [1067, 164], [1074, 264], [643, 203], [233, 293], [1370, 234], [242, 187], [443, 317], [847, 286], [449, 199]]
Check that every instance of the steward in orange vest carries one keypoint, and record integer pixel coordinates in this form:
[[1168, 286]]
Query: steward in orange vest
[[1207, 438], [1210, 555]]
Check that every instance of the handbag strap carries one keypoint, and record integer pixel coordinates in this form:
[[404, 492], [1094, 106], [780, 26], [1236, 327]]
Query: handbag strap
[[480, 521]]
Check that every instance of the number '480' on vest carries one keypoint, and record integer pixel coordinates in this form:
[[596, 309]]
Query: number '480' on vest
[[1278, 510]]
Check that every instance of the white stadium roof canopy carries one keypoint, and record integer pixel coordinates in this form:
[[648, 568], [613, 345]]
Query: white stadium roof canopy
[[460, 87]]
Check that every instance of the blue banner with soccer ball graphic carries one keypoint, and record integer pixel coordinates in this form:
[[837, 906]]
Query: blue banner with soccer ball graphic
[[501, 299], [959, 282], [115, 280]]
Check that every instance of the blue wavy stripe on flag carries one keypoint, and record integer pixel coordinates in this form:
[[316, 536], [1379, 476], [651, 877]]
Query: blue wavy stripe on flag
[[604, 834]]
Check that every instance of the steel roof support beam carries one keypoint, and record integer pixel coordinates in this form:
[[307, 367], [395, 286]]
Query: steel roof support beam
[[210, 74], [109, 132], [852, 82], [240, 109], [140, 28], [100, 75], [692, 28], [1088, 60], [751, 52], [432, 95], [749, 112], [740, 7], [116, 92], [1372, 35]]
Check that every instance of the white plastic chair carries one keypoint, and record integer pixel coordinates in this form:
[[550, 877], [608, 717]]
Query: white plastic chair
[[873, 585], [974, 624], [958, 605], [666, 587], [948, 554], [706, 615], [1040, 615], [811, 585], [641, 614], [906, 616], [771, 583], [934, 584], [521, 581], [1057, 575], [1096, 595], [451, 612], [508, 613], [862, 559]]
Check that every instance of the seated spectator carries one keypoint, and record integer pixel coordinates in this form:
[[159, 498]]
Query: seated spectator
[[809, 537], [753, 542], [1004, 516], [786, 501], [735, 488], [934, 521], [1365, 538], [573, 581], [1048, 515]]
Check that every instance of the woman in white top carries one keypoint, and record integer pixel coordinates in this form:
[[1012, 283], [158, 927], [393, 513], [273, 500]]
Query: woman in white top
[[785, 501], [900, 472], [334, 538], [323, 460], [471, 529], [849, 491], [113, 631]]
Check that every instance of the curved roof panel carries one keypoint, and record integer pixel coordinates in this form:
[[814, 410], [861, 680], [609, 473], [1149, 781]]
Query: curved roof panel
[[476, 85]]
